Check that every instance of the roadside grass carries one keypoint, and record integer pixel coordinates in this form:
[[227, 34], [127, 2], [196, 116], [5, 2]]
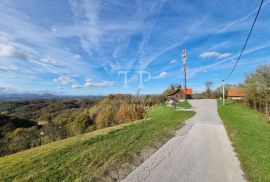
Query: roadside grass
[[250, 135], [184, 104], [97, 155]]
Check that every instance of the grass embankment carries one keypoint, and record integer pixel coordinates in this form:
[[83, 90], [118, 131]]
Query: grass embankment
[[100, 155], [250, 135], [184, 104]]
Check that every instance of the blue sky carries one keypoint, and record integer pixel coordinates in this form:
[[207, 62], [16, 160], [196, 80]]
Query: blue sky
[[81, 47]]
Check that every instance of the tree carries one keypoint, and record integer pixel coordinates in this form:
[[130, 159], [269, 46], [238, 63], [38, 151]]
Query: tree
[[257, 88], [219, 90], [82, 122], [209, 85]]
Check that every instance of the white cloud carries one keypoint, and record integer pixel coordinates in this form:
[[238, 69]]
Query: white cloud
[[59, 88], [4, 90], [114, 38], [9, 51], [54, 29], [28, 40], [238, 21], [76, 86], [214, 55], [174, 61], [162, 74], [63, 79], [3, 36], [90, 83], [76, 56], [49, 61]]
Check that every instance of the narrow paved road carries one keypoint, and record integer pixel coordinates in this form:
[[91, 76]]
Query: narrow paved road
[[200, 152]]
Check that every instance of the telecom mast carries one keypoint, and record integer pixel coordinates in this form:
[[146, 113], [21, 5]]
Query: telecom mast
[[184, 66]]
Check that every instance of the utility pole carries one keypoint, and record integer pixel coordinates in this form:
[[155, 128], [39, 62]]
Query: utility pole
[[184, 65], [223, 93]]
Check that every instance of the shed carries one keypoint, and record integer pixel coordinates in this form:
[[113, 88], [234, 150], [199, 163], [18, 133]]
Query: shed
[[180, 94]]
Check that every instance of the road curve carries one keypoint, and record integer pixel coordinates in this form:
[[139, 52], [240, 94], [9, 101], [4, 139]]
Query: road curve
[[200, 152]]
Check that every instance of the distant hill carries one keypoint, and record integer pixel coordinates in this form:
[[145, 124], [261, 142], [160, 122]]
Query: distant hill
[[28, 96], [19, 96]]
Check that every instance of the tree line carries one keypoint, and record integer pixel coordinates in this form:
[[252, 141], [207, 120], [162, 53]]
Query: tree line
[[256, 87]]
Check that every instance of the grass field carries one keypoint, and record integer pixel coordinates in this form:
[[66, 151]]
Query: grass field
[[184, 104], [100, 155], [250, 134]]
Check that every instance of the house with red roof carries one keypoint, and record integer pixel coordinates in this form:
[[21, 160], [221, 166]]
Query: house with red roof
[[236, 93], [180, 94]]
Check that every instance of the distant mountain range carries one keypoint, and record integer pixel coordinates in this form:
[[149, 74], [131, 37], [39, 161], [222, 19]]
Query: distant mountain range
[[18, 96], [26, 96]]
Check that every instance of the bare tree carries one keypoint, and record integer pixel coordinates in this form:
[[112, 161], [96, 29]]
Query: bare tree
[[209, 85]]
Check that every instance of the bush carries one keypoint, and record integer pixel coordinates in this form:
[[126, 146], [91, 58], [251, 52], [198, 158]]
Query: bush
[[129, 113], [18, 132], [105, 117], [82, 121]]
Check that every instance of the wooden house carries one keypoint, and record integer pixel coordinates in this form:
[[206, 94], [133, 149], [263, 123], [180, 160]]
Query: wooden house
[[180, 94]]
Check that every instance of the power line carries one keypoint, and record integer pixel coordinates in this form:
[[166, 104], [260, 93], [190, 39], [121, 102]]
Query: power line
[[246, 40]]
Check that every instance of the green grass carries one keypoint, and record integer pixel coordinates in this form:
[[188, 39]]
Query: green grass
[[91, 156], [250, 135], [184, 104]]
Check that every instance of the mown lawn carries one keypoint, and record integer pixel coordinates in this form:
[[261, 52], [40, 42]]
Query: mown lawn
[[250, 135], [184, 104], [92, 156]]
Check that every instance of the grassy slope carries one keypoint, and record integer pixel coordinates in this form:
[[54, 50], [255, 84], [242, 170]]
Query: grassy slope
[[184, 104], [93, 155], [250, 134]]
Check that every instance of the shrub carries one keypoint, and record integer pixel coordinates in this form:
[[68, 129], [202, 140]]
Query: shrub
[[105, 117], [82, 121], [17, 132], [129, 113]]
